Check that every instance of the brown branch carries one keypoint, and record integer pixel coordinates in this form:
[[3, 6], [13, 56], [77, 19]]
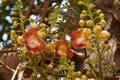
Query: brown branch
[[16, 71], [7, 51], [31, 5]]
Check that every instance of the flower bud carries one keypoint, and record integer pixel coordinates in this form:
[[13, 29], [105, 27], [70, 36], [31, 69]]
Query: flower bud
[[50, 67], [15, 24], [48, 48], [82, 16], [87, 61], [84, 12], [20, 39], [23, 17], [84, 77], [42, 25], [26, 30], [80, 3], [102, 16], [42, 34], [34, 25], [12, 32], [88, 44], [91, 6], [103, 23], [98, 11], [13, 35], [81, 23], [77, 78], [78, 73], [30, 20], [104, 35], [113, 64], [89, 23], [87, 32], [55, 70], [46, 19], [97, 29]]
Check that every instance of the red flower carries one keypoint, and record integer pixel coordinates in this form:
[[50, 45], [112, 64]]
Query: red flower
[[62, 48], [78, 39], [33, 41]]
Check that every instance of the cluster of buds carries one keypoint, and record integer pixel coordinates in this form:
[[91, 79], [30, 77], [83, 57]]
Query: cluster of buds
[[96, 24]]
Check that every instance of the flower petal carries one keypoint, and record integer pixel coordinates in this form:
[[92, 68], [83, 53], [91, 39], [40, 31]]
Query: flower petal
[[76, 34]]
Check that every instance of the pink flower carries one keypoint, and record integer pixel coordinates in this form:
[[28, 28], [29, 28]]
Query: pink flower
[[78, 39], [33, 41], [62, 48]]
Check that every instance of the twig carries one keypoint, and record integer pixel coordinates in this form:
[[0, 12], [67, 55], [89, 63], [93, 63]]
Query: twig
[[73, 10], [20, 75], [16, 71]]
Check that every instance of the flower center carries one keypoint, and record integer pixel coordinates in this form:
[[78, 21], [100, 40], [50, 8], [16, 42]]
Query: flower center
[[62, 50], [33, 43], [80, 40]]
